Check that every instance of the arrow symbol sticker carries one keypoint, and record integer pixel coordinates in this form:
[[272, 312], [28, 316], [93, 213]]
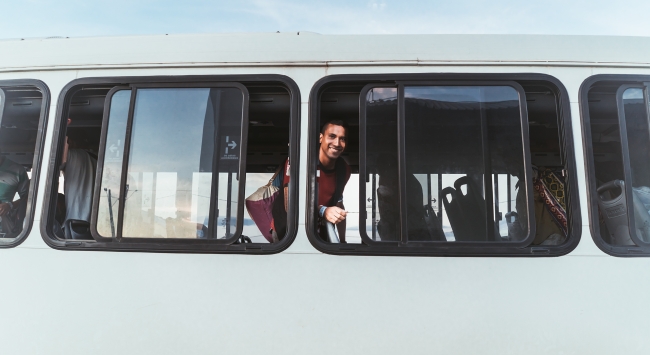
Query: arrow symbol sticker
[[113, 150]]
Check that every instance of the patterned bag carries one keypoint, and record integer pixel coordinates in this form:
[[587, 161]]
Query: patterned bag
[[260, 206]]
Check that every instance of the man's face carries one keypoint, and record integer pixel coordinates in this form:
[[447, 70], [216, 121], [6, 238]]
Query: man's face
[[332, 142]]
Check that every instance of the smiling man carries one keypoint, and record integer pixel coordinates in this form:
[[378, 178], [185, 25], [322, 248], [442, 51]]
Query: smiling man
[[333, 174]]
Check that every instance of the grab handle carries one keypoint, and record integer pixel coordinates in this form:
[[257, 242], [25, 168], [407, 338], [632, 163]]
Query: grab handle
[[331, 232]]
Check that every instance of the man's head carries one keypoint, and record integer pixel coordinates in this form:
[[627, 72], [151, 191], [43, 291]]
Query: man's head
[[76, 139], [333, 137]]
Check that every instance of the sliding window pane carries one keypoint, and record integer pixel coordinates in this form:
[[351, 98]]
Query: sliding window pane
[[472, 137], [638, 148], [112, 168], [381, 184], [170, 168]]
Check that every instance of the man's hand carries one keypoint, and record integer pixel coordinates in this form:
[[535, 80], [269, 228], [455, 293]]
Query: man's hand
[[4, 208], [335, 214]]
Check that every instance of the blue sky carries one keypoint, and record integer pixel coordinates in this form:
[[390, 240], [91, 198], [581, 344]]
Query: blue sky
[[74, 18]]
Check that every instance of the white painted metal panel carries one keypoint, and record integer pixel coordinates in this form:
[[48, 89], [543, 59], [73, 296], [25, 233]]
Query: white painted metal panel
[[301, 301]]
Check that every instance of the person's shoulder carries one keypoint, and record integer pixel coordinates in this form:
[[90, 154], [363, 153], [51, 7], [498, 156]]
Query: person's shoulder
[[10, 165], [77, 153]]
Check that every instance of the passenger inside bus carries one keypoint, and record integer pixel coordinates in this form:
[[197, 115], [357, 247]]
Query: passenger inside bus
[[333, 174], [19, 117], [78, 170], [13, 182]]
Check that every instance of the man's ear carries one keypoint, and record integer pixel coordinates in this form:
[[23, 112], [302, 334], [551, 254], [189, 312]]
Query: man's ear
[[320, 139]]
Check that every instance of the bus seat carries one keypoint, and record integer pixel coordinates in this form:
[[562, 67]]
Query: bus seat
[[461, 228], [77, 229], [614, 211], [515, 229], [466, 212]]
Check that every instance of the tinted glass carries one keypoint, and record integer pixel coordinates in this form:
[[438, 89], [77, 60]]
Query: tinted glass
[[464, 149], [638, 136], [20, 111], [638, 147], [112, 171], [381, 188]]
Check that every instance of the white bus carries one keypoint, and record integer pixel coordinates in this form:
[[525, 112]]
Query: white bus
[[487, 207]]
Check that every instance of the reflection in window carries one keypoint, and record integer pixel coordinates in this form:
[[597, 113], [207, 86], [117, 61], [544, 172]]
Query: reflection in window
[[169, 177], [112, 171]]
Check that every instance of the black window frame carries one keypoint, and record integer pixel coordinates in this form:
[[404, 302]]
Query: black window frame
[[626, 81], [442, 248], [170, 245], [38, 154]]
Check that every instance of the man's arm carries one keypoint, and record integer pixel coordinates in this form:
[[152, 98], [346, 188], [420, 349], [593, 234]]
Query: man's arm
[[65, 152], [336, 215], [5, 207]]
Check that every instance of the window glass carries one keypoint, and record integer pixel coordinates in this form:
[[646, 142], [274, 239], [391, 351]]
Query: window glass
[[169, 177], [469, 139], [112, 171], [638, 151], [638, 137], [382, 184], [620, 142], [20, 113], [464, 158]]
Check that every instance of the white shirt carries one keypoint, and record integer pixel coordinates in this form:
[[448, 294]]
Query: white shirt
[[79, 173]]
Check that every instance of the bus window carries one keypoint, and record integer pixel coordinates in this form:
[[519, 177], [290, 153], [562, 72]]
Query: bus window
[[615, 117], [175, 162], [456, 168], [23, 106]]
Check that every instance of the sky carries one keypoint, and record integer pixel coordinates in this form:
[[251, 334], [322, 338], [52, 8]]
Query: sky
[[76, 18]]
